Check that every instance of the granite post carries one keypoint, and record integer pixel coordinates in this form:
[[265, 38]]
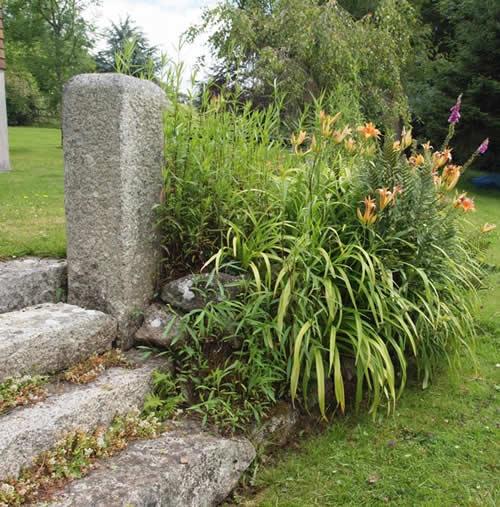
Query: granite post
[[113, 159], [4, 138]]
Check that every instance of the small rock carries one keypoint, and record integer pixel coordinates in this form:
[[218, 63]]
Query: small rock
[[278, 428], [193, 292], [158, 329], [31, 281]]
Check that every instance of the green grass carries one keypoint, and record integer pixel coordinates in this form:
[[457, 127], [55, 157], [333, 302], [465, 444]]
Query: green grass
[[440, 448], [488, 204], [32, 195]]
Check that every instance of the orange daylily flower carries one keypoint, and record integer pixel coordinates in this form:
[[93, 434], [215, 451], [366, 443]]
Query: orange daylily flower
[[451, 175], [468, 204], [440, 158], [417, 160], [488, 228], [396, 146], [340, 135], [369, 216], [427, 146], [369, 130], [385, 197], [298, 140], [326, 121], [464, 202]]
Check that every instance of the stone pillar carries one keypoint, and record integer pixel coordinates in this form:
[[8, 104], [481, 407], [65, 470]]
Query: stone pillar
[[4, 138], [113, 159]]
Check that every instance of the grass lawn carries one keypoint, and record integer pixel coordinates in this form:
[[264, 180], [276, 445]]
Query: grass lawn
[[440, 448], [31, 195]]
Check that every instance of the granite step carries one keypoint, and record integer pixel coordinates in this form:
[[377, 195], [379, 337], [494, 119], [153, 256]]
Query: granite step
[[183, 467], [27, 431], [31, 281], [51, 337]]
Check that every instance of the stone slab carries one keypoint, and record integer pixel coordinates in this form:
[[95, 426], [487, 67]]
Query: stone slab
[[113, 159], [28, 431], [4, 137], [193, 292], [51, 337], [181, 468], [31, 281], [158, 329]]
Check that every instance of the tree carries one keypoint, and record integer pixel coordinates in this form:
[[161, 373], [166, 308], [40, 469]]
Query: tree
[[312, 46], [51, 40], [125, 37], [465, 58], [68, 39]]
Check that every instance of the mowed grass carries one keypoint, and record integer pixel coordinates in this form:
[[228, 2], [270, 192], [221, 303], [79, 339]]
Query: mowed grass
[[440, 448], [32, 195], [488, 211]]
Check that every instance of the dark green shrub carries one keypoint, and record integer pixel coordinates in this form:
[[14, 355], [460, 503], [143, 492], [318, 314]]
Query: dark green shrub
[[25, 102]]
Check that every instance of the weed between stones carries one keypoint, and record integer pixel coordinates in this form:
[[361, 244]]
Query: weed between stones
[[73, 457], [28, 390], [22, 391], [91, 368]]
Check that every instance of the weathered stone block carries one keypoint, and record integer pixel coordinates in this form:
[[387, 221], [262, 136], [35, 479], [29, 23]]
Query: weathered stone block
[[158, 329], [113, 156], [28, 431], [4, 138], [51, 337], [31, 281], [277, 428], [181, 468], [193, 292]]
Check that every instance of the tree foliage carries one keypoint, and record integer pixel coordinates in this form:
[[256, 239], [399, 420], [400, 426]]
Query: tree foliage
[[464, 57], [310, 46], [24, 100], [124, 37], [51, 40]]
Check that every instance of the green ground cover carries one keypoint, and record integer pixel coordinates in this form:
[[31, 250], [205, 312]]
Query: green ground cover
[[31, 195], [440, 448]]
